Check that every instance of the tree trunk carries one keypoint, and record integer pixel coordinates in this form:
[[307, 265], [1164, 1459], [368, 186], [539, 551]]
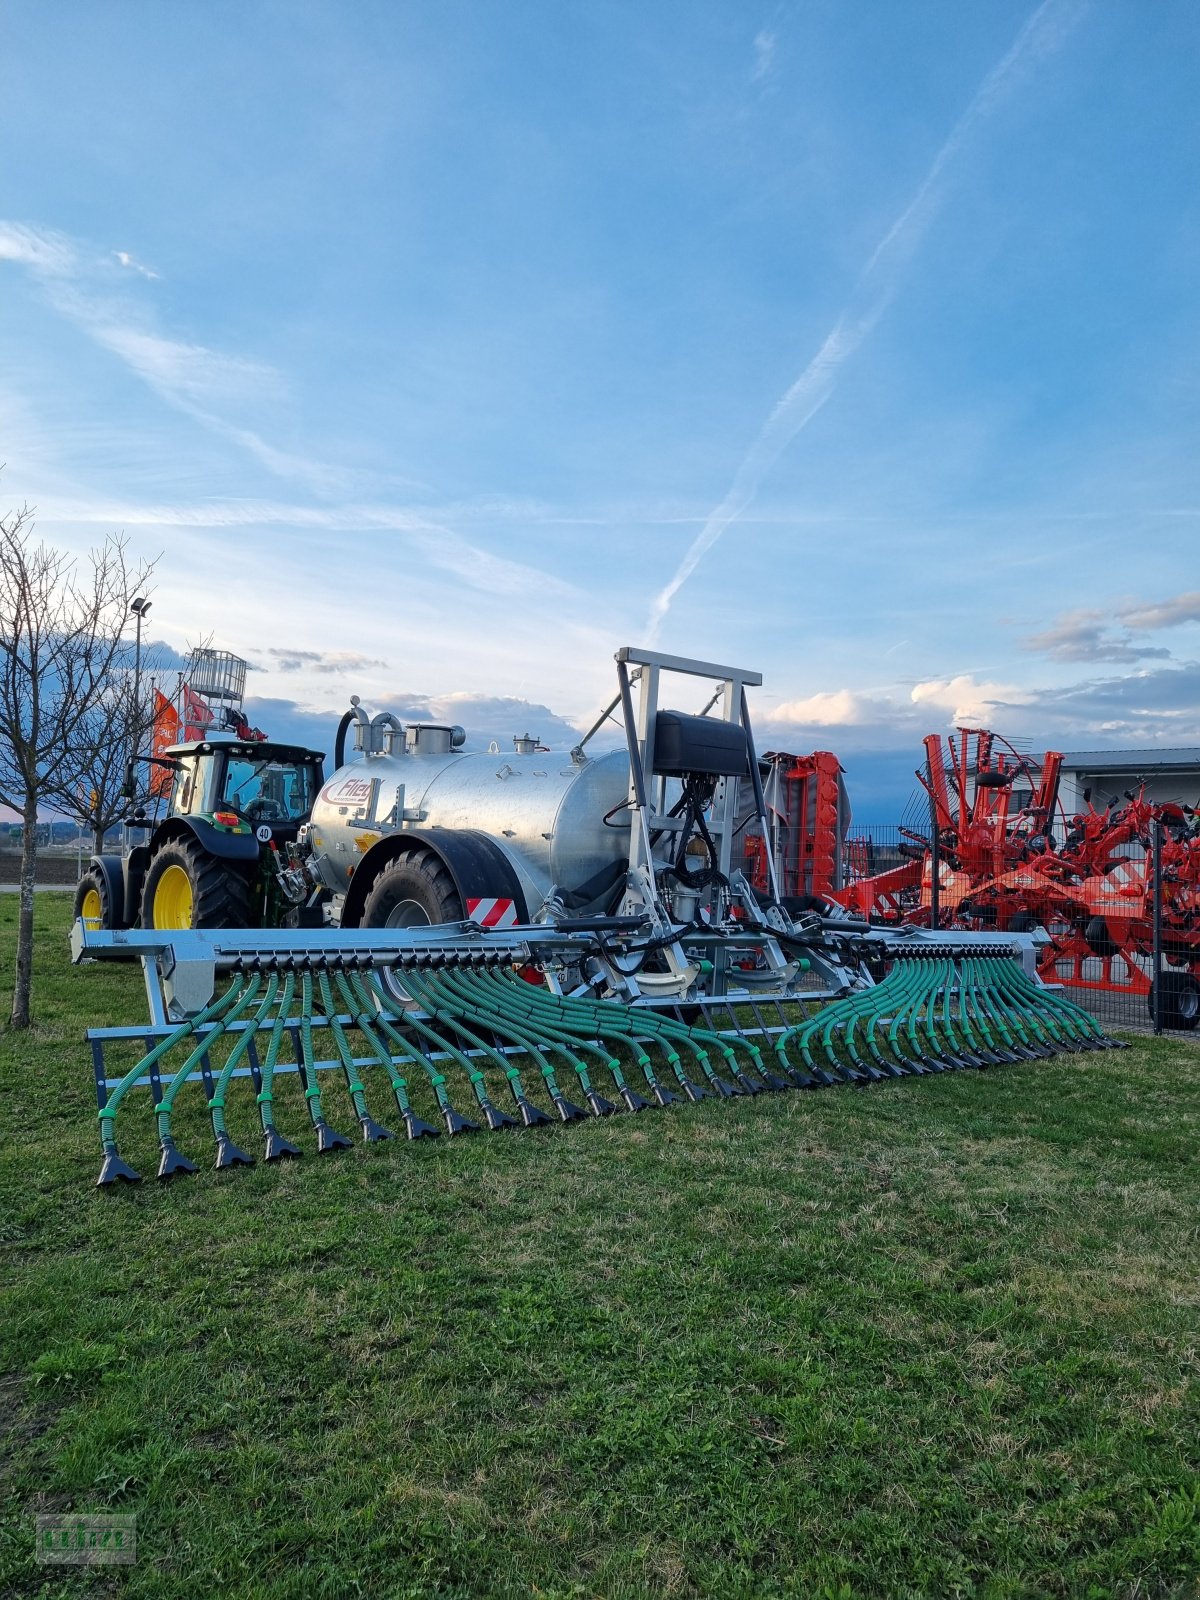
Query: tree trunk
[[98, 833], [24, 979]]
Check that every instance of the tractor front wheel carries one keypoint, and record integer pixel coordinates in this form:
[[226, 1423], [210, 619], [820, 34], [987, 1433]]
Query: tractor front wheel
[[185, 887], [416, 891], [91, 900]]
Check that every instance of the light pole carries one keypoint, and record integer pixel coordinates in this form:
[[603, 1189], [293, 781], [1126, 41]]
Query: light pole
[[139, 608]]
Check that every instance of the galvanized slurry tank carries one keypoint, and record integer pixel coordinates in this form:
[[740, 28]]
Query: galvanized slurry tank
[[545, 810]]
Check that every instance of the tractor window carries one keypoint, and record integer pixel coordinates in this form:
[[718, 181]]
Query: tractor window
[[185, 784], [269, 791]]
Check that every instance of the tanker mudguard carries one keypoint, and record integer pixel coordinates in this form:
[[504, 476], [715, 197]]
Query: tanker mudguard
[[479, 867]]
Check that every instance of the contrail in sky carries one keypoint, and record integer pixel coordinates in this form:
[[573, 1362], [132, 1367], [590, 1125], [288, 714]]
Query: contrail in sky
[[1043, 33]]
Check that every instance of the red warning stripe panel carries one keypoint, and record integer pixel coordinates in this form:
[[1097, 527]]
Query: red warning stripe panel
[[493, 913]]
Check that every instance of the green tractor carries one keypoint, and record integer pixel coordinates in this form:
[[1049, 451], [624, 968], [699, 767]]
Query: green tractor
[[221, 858]]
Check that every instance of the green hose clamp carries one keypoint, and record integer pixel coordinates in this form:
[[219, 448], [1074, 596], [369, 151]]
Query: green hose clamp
[[217, 1103], [264, 1099], [311, 1094], [355, 1087]]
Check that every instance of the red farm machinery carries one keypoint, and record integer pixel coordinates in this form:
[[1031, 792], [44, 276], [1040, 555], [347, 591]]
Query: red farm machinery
[[1000, 853]]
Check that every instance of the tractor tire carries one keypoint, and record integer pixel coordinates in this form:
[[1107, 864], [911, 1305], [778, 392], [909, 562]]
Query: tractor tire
[[415, 891], [1020, 922], [185, 887], [1180, 1001], [1099, 940], [92, 901]]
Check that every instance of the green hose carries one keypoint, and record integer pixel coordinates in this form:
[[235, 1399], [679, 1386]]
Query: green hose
[[388, 1016], [630, 1024], [228, 1153], [610, 1021], [171, 1162], [328, 1139], [276, 1146], [372, 1131], [113, 1168], [495, 997], [365, 1016], [507, 1027]]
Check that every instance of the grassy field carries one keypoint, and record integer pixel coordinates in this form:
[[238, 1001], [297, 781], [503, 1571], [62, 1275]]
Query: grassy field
[[933, 1338]]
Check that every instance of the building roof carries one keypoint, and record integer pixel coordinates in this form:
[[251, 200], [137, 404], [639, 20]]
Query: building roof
[[1152, 759]]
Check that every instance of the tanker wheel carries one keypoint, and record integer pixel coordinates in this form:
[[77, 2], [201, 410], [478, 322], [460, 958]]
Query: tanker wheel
[[414, 892], [185, 887], [91, 900], [1180, 1001]]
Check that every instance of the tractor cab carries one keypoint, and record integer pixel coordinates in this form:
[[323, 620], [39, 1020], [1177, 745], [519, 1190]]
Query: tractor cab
[[220, 856], [245, 786]]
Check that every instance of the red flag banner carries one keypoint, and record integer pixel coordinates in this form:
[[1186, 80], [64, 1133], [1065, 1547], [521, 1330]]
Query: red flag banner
[[164, 733], [197, 717]]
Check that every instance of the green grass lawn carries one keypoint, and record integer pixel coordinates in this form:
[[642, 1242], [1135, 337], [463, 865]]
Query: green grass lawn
[[937, 1337]]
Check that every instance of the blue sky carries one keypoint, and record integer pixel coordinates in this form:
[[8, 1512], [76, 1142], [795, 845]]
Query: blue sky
[[442, 349]]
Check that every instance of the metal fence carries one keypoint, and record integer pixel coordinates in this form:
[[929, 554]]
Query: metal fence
[[1111, 933]]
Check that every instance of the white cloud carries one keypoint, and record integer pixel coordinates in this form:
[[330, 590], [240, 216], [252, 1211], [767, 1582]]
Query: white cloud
[[202, 383], [440, 546], [829, 709], [180, 372], [1087, 635], [764, 54], [42, 250], [1170, 613], [130, 264], [966, 699]]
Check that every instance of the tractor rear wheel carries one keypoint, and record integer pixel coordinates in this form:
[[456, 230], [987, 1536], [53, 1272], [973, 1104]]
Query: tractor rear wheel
[[1180, 1001], [187, 888], [416, 891], [91, 900]]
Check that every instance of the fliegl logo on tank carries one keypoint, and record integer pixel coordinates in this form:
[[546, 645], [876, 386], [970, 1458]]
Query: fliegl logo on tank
[[347, 792]]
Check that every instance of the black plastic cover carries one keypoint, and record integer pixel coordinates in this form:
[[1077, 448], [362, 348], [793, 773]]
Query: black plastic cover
[[705, 745]]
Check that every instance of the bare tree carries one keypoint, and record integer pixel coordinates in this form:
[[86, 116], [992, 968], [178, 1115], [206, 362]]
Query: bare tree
[[97, 786], [60, 634]]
